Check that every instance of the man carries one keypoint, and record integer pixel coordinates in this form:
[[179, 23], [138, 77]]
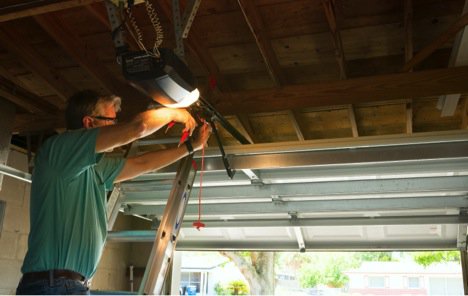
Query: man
[[69, 185]]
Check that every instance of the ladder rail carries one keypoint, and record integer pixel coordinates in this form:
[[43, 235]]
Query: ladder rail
[[168, 230]]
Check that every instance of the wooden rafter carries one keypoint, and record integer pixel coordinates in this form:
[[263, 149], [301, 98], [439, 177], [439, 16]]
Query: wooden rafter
[[25, 123], [352, 120], [409, 117], [459, 57], [329, 9], [39, 7], [297, 128], [24, 98], [351, 91], [255, 23], [464, 124], [34, 62], [437, 43], [408, 19], [86, 58], [245, 127]]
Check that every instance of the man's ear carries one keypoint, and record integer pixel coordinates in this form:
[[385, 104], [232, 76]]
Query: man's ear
[[87, 122]]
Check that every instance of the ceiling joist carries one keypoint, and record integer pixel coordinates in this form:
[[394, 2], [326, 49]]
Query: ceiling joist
[[437, 43], [459, 57], [330, 13], [352, 121], [34, 62], [33, 8], [408, 19], [22, 97], [255, 23], [86, 58], [297, 127], [352, 91], [245, 127]]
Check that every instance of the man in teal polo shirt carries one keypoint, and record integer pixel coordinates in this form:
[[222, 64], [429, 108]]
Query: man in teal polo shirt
[[69, 184]]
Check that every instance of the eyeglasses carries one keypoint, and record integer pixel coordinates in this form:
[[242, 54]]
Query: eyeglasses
[[113, 119]]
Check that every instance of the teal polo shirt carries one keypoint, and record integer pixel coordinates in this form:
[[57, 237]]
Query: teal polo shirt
[[68, 203]]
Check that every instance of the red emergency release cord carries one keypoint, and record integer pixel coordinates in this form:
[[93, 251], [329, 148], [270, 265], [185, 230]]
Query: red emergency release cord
[[198, 224]]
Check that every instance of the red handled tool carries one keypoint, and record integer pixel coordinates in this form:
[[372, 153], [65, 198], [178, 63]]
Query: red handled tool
[[184, 136]]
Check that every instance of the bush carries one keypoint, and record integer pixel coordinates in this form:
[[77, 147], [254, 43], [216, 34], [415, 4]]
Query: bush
[[232, 288]]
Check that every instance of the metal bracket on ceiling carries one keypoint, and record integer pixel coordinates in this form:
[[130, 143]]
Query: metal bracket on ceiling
[[115, 20], [182, 26]]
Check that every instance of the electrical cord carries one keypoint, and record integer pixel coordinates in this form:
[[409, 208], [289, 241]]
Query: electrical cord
[[137, 34]]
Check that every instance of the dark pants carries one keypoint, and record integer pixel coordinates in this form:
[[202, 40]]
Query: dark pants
[[52, 287]]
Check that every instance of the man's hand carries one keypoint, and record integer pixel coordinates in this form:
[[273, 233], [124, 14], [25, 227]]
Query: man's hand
[[183, 116], [202, 137]]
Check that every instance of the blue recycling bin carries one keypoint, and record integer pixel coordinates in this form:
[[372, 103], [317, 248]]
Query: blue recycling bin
[[191, 290]]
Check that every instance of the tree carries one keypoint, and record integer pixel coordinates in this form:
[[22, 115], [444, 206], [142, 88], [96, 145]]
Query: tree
[[374, 256], [310, 277], [427, 258], [326, 269], [258, 269]]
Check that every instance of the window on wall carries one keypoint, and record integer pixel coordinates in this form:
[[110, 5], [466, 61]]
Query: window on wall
[[376, 282], [190, 281], [2, 214], [414, 282]]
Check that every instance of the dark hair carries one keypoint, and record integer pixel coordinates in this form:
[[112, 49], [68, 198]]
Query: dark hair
[[84, 103]]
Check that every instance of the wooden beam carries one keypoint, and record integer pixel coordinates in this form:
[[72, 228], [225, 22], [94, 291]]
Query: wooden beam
[[34, 122], [33, 8], [255, 23], [408, 19], [23, 98], [409, 118], [352, 121], [86, 58], [459, 57], [437, 43], [297, 127], [351, 91], [246, 127], [34, 62], [464, 124], [330, 13]]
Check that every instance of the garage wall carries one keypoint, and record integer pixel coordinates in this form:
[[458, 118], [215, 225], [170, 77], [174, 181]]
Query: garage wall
[[111, 274], [14, 233]]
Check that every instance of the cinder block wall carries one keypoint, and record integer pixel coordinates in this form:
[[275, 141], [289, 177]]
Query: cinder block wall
[[14, 233], [111, 274]]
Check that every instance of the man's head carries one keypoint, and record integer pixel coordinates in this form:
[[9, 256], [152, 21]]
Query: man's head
[[88, 109]]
